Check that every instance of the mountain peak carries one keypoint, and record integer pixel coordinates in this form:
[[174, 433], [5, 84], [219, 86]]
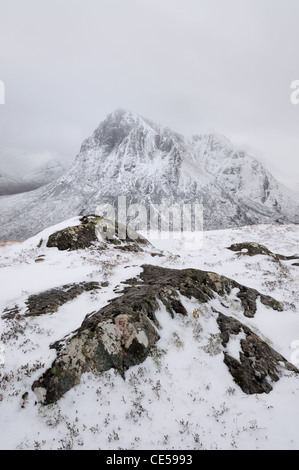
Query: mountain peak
[[150, 164]]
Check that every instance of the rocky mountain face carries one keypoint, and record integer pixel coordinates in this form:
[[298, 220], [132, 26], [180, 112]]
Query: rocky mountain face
[[134, 157]]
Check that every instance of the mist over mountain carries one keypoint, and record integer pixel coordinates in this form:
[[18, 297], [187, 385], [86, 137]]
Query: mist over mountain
[[20, 174], [128, 155]]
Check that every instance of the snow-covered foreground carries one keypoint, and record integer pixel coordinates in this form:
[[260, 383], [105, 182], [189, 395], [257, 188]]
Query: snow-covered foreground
[[183, 396]]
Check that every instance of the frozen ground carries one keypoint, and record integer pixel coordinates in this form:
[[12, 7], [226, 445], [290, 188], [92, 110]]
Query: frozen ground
[[182, 397]]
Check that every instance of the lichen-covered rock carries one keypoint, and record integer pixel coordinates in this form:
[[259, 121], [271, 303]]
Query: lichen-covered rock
[[259, 364], [74, 238], [250, 248], [122, 333]]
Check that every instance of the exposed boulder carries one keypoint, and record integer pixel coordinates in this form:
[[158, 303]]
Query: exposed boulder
[[259, 364], [49, 301], [95, 229]]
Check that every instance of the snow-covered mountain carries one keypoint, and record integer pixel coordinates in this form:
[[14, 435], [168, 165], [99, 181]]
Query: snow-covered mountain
[[130, 156], [8, 185], [31, 179]]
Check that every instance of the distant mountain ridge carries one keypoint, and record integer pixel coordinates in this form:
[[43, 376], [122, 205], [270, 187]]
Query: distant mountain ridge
[[130, 156], [33, 179]]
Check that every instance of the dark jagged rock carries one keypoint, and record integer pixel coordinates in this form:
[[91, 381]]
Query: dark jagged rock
[[50, 300], [121, 334], [94, 229], [259, 364], [109, 339], [254, 249]]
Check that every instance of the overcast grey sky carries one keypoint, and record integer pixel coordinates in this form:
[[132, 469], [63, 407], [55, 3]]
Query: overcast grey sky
[[194, 65]]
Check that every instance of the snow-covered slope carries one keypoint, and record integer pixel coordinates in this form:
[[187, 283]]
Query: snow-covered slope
[[44, 173], [182, 396], [134, 157], [32, 179]]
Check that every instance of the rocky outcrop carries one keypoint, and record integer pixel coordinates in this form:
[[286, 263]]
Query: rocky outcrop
[[254, 249], [93, 229], [49, 301], [259, 364], [121, 334]]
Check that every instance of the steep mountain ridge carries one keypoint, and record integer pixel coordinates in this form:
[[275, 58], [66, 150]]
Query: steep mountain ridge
[[130, 156]]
